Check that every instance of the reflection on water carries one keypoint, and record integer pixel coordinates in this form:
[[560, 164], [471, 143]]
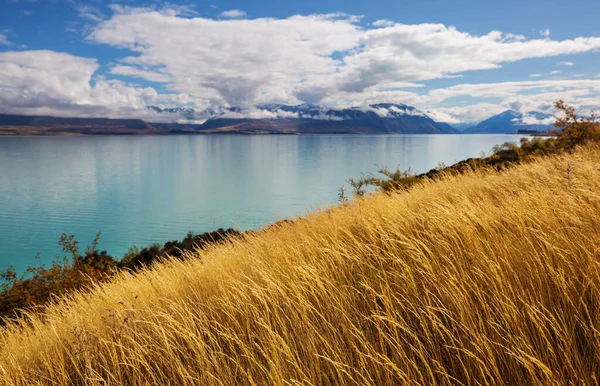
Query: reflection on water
[[140, 190]]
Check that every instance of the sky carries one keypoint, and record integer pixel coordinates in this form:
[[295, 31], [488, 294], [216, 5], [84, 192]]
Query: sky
[[460, 61]]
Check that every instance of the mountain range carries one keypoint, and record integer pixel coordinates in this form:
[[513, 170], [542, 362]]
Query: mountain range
[[382, 118]]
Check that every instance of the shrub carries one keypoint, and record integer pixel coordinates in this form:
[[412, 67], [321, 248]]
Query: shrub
[[573, 130], [38, 285]]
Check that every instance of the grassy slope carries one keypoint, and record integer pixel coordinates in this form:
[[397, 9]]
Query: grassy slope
[[480, 279]]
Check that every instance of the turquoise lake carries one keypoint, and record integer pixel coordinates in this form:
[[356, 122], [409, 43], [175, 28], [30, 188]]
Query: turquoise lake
[[147, 189]]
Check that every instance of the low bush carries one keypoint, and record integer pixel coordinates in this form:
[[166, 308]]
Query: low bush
[[38, 284]]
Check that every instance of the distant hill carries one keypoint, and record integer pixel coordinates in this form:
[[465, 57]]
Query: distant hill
[[44, 125], [462, 126], [509, 121]]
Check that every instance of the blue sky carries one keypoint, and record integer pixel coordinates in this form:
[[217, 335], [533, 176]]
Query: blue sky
[[460, 61]]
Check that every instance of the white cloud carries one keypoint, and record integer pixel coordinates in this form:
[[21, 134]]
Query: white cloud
[[166, 9], [234, 14], [90, 12], [153, 76], [248, 62], [466, 114], [328, 59], [233, 62], [383, 23], [509, 89], [52, 83], [555, 72], [535, 75], [533, 120], [545, 33], [421, 52], [4, 39], [565, 64]]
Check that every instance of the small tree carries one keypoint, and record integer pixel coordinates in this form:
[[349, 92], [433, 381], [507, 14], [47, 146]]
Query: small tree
[[573, 130], [388, 181]]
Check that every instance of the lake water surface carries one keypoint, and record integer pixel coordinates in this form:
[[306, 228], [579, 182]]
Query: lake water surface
[[141, 190]]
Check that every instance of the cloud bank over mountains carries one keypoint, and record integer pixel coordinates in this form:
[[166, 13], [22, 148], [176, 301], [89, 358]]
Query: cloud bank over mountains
[[187, 60]]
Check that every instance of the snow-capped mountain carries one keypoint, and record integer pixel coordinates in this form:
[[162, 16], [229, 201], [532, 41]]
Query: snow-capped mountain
[[384, 118], [511, 121], [384, 110], [308, 118], [175, 114]]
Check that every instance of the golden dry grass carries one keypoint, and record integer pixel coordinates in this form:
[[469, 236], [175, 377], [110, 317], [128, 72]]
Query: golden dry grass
[[480, 279]]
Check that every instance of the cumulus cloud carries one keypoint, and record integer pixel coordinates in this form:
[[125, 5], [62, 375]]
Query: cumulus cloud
[[555, 72], [234, 14], [252, 61], [535, 75], [53, 83], [428, 51], [326, 59], [232, 62]]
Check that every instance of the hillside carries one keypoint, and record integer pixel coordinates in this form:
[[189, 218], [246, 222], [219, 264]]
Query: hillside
[[510, 122], [313, 126], [43, 125], [484, 278]]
